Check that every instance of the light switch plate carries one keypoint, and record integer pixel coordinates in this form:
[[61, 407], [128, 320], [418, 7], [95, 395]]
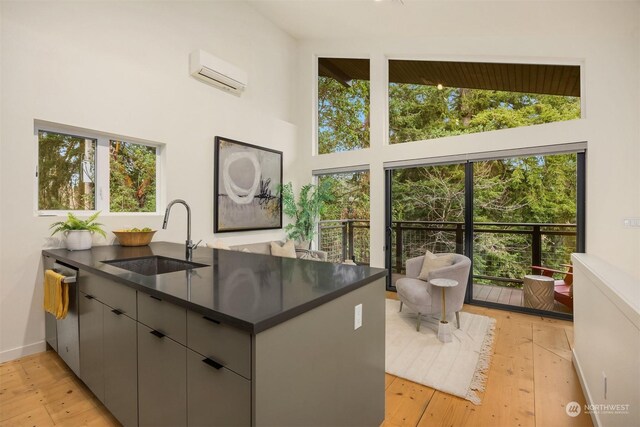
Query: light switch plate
[[631, 222], [357, 319]]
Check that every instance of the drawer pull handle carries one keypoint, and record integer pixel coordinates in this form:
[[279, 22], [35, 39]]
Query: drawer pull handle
[[212, 363], [89, 297], [157, 333], [117, 312], [211, 320], [156, 298]]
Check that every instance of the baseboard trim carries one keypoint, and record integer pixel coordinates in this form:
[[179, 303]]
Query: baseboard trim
[[18, 352], [585, 388]]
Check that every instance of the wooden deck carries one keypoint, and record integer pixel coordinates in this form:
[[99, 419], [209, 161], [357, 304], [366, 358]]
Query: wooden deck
[[491, 293], [499, 294]]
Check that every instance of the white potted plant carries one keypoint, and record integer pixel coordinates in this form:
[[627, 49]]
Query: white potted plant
[[78, 232]]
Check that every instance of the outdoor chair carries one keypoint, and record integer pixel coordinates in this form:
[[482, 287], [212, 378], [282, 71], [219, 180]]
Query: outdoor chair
[[563, 288], [425, 299]]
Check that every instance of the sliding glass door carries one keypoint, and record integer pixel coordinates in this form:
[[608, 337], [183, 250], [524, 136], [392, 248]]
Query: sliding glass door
[[427, 213], [517, 218]]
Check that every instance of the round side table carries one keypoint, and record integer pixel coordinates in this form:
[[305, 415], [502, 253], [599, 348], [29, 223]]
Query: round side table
[[538, 292], [444, 327]]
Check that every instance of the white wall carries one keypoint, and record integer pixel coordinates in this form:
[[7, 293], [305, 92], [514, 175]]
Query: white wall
[[601, 36], [122, 68]]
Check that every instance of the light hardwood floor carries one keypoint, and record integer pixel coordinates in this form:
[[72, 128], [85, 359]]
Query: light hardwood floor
[[530, 381]]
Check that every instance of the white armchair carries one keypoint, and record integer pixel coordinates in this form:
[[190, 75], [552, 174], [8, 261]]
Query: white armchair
[[424, 298]]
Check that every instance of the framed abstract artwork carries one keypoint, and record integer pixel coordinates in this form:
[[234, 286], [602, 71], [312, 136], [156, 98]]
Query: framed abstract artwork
[[246, 181]]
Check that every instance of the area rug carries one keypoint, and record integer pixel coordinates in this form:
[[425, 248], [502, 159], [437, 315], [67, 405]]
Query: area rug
[[458, 367]]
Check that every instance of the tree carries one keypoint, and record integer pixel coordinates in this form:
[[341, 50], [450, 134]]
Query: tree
[[343, 115], [132, 182], [66, 172]]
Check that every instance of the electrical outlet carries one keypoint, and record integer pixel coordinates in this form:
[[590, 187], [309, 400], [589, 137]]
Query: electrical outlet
[[604, 384], [357, 319]]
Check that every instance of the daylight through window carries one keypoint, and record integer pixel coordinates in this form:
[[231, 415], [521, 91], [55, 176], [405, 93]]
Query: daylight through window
[[434, 99], [343, 104], [87, 172], [66, 165]]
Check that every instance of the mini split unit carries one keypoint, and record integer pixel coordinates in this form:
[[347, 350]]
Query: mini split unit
[[216, 72]]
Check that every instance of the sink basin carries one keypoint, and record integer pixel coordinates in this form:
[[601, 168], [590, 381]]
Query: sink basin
[[153, 265]]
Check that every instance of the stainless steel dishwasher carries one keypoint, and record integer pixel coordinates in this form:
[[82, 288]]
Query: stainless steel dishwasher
[[62, 334]]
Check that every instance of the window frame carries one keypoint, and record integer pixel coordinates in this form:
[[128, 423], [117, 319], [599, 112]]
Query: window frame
[[102, 171]]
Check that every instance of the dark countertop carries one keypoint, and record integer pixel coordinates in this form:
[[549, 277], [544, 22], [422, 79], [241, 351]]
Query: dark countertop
[[250, 291]]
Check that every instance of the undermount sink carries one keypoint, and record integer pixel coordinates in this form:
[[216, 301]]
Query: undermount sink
[[153, 265]]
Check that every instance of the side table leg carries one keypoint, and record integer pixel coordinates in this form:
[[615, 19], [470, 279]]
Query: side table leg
[[444, 307], [444, 327]]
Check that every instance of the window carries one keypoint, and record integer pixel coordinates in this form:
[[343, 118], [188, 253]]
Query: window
[[343, 104], [132, 177], [434, 99], [66, 165], [344, 222], [86, 171]]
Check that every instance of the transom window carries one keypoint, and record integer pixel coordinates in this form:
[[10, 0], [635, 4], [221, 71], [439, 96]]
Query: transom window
[[434, 99], [86, 171], [343, 104]]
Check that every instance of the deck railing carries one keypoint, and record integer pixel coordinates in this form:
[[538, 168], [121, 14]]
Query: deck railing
[[501, 255]]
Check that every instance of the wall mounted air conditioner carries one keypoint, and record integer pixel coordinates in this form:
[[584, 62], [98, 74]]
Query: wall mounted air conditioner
[[216, 72]]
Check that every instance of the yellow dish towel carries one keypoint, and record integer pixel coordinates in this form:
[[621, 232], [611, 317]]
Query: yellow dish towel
[[56, 294]]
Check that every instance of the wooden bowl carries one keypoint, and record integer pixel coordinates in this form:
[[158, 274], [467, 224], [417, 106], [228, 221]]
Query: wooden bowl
[[134, 238]]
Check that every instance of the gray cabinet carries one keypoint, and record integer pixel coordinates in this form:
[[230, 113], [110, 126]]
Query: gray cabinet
[[91, 344], [108, 346], [217, 396], [162, 379], [120, 366]]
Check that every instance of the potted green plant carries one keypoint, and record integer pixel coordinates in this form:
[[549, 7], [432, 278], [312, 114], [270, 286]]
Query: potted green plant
[[78, 232], [305, 211]]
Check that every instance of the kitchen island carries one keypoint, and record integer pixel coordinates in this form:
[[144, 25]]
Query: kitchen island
[[243, 339]]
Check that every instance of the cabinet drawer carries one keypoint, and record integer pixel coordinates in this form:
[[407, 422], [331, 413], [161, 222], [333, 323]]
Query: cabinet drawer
[[226, 345], [217, 397], [163, 316], [107, 291]]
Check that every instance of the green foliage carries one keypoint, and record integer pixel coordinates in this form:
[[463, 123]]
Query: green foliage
[[74, 223], [66, 170], [132, 182], [419, 112], [306, 210], [350, 196], [536, 189], [343, 115]]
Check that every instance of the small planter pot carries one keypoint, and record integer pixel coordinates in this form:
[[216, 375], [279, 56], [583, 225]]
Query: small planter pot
[[78, 240], [303, 244]]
